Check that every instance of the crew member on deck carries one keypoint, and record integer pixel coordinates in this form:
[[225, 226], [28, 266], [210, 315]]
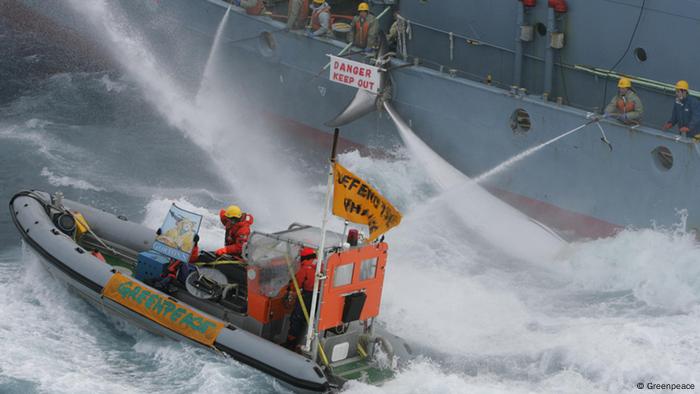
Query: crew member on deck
[[626, 106], [397, 27], [298, 12], [320, 19], [177, 269], [363, 29], [237, 224], [686, 112], [305, 279], [251, 7]]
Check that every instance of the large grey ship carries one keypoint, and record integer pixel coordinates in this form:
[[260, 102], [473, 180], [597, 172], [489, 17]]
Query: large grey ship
[[480, 82]]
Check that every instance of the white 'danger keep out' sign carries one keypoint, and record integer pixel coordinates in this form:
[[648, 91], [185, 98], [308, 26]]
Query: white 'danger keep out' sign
[[356, 74]]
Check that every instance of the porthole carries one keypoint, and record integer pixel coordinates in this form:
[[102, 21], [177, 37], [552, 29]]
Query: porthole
[[520, 121], [267, 43], [541, 29], [640, 54], [663, 158]]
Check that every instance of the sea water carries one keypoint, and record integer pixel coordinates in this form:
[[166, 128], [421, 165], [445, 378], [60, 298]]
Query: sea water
[[600, 316]]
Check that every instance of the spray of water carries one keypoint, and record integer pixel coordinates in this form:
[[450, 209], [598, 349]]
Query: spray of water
[[520, 156], [487, 216], [207, 75], [241, 148]]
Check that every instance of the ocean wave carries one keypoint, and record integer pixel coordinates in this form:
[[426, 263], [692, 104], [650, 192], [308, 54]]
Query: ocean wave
[[112, 86], [35, 123], [62, 181], [657, 266]]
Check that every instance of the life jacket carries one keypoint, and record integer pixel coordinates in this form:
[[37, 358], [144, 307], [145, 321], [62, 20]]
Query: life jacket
[[194, 255], [236, 233], [306, 274], [316, 16], [361, 32], [303, 14], [257, 9], [171, 271], [624, 105]]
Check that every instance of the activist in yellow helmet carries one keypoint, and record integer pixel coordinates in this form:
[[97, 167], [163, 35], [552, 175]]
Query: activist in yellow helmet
[[237, 224], [233, 211], [624, 83], [363, 7]]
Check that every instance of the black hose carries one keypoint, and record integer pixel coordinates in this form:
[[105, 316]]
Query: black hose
[[629, 45]]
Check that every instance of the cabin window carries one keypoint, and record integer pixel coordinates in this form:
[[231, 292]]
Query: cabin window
[[520, 121], [343, 275], [340, 352], [368, 269], [663, 158]]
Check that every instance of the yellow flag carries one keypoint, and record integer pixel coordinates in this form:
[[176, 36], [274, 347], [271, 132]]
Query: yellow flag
[[357, 201]]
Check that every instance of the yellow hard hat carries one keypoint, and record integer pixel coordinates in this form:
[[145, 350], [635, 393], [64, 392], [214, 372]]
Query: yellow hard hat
[[624, 83], [682, 85], [319, 1], [363, 7], [233, 211]]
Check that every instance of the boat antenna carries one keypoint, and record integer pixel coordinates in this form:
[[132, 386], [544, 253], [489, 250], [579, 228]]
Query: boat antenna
[[311, 333]]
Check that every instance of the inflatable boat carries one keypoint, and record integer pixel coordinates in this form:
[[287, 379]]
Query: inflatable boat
[[239, 309]]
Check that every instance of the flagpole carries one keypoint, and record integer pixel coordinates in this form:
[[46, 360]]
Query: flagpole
[[311, 334]]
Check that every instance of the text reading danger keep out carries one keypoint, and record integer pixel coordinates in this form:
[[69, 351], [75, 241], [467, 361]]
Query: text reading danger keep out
[[351, 73]]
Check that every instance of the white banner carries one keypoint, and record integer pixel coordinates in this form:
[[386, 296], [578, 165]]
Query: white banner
[[356, 74]]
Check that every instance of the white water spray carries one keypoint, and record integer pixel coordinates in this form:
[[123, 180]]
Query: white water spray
[[240, 148], [520, 156], [215, 48], [442, 172], [491, 218]]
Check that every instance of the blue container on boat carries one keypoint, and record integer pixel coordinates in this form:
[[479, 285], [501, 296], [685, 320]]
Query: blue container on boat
[[151, 266]]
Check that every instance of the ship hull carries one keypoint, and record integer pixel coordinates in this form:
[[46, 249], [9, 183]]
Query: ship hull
[[577, 185]]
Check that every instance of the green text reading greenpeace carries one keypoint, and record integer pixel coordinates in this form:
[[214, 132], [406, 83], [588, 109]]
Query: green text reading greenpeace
[[161, 306]]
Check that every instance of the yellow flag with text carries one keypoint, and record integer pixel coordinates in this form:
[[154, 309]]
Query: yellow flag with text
[[357, 201]]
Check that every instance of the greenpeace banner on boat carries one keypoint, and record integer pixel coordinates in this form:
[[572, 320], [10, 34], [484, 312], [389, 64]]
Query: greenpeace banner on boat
[[357, 201], [162, 309], [355, 74], [177, 233]]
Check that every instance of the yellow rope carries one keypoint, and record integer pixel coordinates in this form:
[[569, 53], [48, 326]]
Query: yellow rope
[[303, 309], [222, 262]]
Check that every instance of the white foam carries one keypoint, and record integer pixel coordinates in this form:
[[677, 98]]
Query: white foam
[[35, 123], [659, 267], [112, 86], [61, 181]]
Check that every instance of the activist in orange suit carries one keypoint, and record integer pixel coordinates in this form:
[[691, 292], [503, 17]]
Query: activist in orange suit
[[305, 279], [237, 224]]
